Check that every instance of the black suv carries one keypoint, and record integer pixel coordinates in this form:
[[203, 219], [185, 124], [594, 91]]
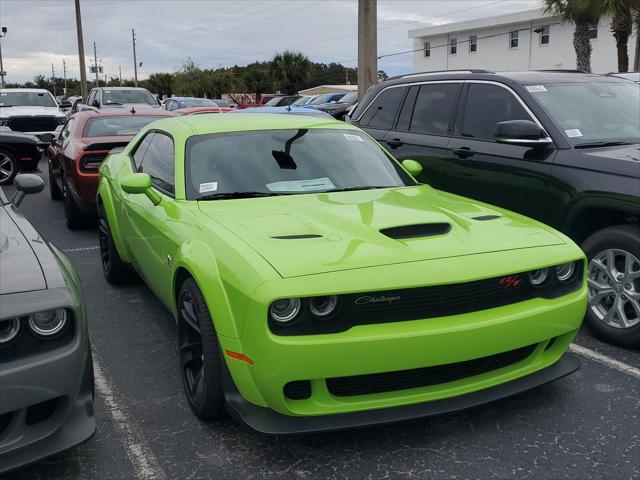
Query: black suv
[[109, 97], [561, 147]]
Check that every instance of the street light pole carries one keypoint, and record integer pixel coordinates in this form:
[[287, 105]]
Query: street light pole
[[367, 45], [83, 68], [135, 61], [64, 73], [95, 63], [2, 72], [53, 80]]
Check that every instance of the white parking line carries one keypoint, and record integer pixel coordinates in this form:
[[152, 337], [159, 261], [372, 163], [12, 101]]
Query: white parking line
[[608, 361], [144, 461], [81, 249]]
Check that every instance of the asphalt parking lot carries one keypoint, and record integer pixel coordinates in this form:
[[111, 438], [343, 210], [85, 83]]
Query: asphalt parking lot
[[585, 426]]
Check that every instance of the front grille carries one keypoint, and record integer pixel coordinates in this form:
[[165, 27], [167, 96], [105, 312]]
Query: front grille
[[424, 377], [33, 124]]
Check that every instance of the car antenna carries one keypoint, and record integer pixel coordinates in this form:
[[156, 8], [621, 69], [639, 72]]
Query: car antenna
[[133, 111]]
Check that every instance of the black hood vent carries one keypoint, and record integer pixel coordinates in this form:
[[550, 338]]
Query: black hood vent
[[297, 237], [416, 231], [484, 218]]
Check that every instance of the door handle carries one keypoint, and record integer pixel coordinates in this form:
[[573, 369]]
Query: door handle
[[395, 143], [463, 152]]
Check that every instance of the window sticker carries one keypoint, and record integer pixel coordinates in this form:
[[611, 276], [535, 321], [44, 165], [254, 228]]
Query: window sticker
[[353, 138], [313, 185], [573, 132], [208, 187], [536, 88]]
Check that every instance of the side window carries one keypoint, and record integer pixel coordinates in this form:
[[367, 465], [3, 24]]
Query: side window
[[159, 162], [66, 130], [92, 97], [138, 155], [435, 108], [382, 111], [485, 106]]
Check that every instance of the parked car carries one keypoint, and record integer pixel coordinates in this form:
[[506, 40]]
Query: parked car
[[317, 286], [323, 99], [560, 147], [109, 97], [18, 152], [282, 101], [339, 109], [222, 103], [303, 100], [75, 156], [179, 103], [71, 105], [199, 110], [46, 370], [30, 110], [289, 109], [260, 103]]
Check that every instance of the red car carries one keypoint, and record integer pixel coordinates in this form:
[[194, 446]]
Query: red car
[[198, 110], [84, 142]]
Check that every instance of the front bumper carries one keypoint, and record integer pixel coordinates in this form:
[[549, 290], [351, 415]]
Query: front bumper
[[268, 421]]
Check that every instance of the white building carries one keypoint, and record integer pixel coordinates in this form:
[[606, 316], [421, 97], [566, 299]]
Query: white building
[[525, 40]]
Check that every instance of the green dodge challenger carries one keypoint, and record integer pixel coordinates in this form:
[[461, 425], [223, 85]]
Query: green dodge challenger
[[317, 286]]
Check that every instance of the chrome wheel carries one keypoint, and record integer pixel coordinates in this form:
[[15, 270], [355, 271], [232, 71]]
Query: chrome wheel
[[614, 288], [6, 168]]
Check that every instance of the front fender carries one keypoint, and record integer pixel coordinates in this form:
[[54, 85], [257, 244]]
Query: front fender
[[198, 260], [632, 208], [105, 195]]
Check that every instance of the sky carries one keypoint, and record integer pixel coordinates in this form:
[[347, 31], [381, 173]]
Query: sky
[[215, 33]]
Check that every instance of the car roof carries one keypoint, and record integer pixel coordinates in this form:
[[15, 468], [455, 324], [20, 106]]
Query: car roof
[[35, 90], [119, 88], [204, 124], [122, 112]]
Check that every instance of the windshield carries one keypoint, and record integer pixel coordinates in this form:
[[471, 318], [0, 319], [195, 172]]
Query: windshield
[[120, 97], [287, 162], [115, 126], [273, 102], [197, 102], [592, 111], [27, 99], [349, 98], [326, 98], [302, 101], [222, 103]]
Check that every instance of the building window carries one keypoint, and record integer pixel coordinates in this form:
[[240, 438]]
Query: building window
[[513, 39], [473, 43], [453, 46], [593, 31], [543, 31], [427, 49]]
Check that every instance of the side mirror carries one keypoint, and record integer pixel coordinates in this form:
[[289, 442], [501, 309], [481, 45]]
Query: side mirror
[[413, 167], [26, 184], [137, 183], [347, 118], [521, 132]]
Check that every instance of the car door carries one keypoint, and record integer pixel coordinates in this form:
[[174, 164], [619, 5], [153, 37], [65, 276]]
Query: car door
[[511, 176], [379, 117], [57, 152], [424, 128], [152, 230]]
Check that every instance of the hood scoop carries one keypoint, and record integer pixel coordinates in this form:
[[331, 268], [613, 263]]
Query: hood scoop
[[416, 231]]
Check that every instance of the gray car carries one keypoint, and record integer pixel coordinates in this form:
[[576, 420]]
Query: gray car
[[46, 369]]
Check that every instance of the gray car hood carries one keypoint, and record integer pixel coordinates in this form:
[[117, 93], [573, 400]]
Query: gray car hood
[[20, 270]]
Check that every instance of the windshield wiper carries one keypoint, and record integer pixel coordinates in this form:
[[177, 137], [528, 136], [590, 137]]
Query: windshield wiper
[[350, 189], [113, 103], [231, 195], [601, 144], [6, 106]]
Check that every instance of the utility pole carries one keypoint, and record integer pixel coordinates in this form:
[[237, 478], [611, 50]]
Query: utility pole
[[53, 79], [64, 73], [120, 73], [83, 68], [2, 72], [135, 60], [367, 45], [95, 63]]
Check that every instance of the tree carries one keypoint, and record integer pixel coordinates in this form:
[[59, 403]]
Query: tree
[[622, 12], [582, 13], [160, 83], [290, 70], [257, 78]]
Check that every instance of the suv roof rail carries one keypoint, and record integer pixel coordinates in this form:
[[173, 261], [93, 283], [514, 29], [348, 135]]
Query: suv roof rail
[[435, 72], [561, 70]]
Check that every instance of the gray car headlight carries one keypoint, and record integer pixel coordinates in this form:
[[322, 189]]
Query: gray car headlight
[[9, 329], [49, 323]]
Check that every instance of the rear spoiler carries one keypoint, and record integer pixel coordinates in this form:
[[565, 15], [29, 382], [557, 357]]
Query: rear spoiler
[[104, 146]]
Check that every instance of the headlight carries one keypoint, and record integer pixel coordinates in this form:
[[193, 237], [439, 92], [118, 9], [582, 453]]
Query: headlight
[[323, 306], [61, 120], [564, 272], [48, 323], [538, 277], [285, 310], [9, 330]]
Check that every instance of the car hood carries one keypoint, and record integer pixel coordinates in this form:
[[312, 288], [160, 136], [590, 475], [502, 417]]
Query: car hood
[[319, 233], [620, 160], [6, 112], [20, 270]]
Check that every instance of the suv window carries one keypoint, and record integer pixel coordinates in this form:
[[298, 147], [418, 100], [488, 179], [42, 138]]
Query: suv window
[[92, 97], [158, 162], [382, 111], [138, 155], [485, 106], [435, 108]]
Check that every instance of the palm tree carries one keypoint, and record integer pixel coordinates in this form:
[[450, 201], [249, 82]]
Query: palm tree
[[290, 70], [582, 13], [622, 12]]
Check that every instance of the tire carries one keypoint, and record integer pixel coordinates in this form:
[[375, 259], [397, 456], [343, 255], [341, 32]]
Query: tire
[[614, 284], [199, 353], [115, 270], [8, 167], [75, 219], [54, 190]]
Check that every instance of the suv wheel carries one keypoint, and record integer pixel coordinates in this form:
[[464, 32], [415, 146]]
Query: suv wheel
[[75, 219], [8, 167], [54, 189], [614, 284]]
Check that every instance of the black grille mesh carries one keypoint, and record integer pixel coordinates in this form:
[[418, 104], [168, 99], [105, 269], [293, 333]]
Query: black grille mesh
[[298, 390], [424, 377], [32, 124]]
